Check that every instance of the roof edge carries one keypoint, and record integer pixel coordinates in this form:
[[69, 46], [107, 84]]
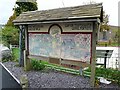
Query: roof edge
[[93, 19]]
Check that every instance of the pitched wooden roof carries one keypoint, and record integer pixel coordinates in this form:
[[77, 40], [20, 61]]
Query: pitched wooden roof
[[67, 13]]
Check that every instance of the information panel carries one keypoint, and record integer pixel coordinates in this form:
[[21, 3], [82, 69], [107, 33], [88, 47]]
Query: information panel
[[66, 46]]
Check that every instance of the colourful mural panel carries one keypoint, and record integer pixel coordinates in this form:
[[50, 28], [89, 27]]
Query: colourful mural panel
[[66, 46]]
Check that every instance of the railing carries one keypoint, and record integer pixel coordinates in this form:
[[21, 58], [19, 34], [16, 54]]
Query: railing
[[111, 62], [14, 46]]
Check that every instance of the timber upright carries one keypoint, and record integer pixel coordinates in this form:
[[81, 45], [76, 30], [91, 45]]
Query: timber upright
[[63, 36]]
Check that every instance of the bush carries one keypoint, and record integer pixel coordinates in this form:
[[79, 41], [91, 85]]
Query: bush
[[37, 65], [6, 55]]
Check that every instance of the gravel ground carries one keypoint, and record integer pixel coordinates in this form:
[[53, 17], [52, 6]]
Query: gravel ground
[[52, 78]]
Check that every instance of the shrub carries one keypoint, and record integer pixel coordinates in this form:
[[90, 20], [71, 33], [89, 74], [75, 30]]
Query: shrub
[[37, 65], [6, 55]]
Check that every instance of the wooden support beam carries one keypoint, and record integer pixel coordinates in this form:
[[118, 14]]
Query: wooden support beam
[[20, 46], [39, 58], [54, 60], [93, 63], [76, 63], [27, 64]]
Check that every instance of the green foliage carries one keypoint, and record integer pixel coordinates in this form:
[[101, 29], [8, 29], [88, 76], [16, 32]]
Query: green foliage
[[104, 25], [25, 6], [110, 74], [37, 64], [116, 37], [0, 35], [4, 60], [102, 44], [10, 35], [10, 21], [15, 54], [49, 66], [109, 43], [6, 55]]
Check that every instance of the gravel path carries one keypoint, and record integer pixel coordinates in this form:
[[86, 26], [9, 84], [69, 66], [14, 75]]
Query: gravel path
[[52, 78]]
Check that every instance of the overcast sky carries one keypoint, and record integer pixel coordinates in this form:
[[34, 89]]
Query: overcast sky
[[109, 6]]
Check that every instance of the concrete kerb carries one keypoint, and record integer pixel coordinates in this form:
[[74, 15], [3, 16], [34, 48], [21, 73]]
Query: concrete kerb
[[10, 73]]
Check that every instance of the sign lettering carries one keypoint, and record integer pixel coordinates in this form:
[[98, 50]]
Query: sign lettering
[[79, 26]]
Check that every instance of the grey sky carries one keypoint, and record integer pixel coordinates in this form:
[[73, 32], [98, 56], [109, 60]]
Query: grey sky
[[110, 7]]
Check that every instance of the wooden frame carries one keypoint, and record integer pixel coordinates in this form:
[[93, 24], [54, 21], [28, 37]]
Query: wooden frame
[[61, 61]]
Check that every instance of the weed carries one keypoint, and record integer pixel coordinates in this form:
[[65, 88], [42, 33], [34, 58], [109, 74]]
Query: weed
[[37, 64]]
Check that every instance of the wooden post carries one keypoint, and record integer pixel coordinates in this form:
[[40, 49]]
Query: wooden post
[[26, 59], [26, 38], [20, 47], [93, 63]]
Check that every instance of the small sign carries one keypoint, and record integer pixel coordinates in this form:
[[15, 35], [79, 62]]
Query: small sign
[[35, 27], [86, 26]]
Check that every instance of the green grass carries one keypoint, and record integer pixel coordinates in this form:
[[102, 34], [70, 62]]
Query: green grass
[[113, 44], [15, 54], [110, 74], [63, 69], [58, 67]]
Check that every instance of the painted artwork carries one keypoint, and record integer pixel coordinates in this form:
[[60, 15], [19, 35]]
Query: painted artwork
[[40, 44], [76, 47], [66, 46]]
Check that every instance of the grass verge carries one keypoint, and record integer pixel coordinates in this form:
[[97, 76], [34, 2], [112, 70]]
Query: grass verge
[[15, 54]]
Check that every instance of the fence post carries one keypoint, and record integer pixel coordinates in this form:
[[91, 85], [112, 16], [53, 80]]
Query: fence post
[[24, 82], [27, 65], [105, 59]]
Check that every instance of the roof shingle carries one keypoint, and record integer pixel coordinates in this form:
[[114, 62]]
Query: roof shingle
[[84, 11]]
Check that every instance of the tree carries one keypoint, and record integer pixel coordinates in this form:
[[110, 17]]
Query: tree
[[104, 27], [10, 32], [25, 6], [89, 2], [10, 21], [104, 24], [22, 7], [10, 35]]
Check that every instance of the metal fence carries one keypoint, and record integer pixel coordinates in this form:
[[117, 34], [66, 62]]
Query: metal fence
[[110, 62]]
